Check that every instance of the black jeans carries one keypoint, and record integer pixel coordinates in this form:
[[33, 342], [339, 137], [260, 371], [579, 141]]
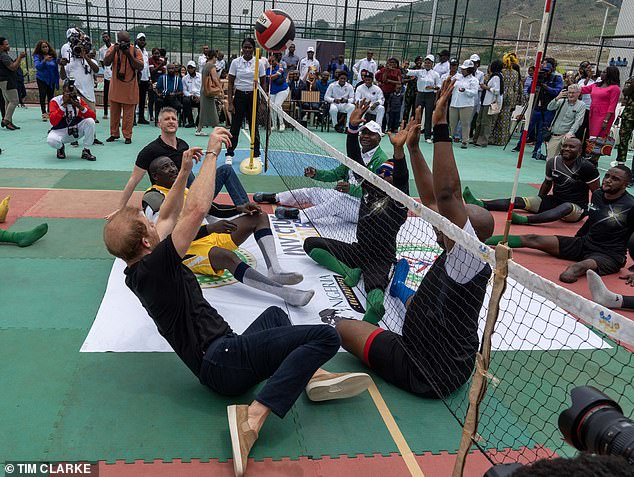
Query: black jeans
[[46, 94], [243, 109], [106, 89], [143, 87], [271, 348], [427, 101], [188, 106]]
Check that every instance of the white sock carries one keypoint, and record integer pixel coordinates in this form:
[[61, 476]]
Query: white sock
[[600, 292], [292, 296], [303, 218], [266, 242]]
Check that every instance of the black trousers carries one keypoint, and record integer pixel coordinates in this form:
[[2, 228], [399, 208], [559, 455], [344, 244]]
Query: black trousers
[[427, 101], [143, 87], [46, 94], [243, 109], [188, 106], [151, 102], [106, 88]]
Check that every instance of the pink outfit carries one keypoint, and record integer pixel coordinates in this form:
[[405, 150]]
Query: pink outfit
[[604, 100]]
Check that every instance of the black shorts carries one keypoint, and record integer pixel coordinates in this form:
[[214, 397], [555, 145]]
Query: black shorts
[[385, 354], [375, 270], [572, 248]]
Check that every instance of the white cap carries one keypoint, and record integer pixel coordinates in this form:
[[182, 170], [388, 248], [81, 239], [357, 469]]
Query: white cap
[[474, 57], [191, 63], [310, 48], [140, 35], [70, 31], [372, 126], [431, 57], [467, 64]]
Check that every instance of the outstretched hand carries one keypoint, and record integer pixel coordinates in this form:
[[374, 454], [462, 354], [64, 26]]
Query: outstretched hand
[[413, 134], [629, 279], [217, 138], [356, 117], [439, 115], [398, 138], [190, 157]]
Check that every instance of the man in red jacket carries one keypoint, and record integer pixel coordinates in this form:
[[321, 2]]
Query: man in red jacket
[[71, 119]]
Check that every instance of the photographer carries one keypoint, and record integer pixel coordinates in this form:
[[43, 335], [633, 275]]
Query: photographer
[[126, 60], [80, 68], [9, 82], [71, 119]]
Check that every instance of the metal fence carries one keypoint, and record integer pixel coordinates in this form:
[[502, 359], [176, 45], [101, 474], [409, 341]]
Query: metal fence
[[390, 28]]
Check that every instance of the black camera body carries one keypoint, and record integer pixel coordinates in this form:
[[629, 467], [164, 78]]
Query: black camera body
[[80, 43], [124, 45], [73, 131]]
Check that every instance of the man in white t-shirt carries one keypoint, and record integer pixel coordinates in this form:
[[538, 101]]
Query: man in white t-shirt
[[107, 71], [202, 59], [220, 64], [367, 64], [192, 83], [368, 90], [443, 63], [340, 97], [310, 63], [144, 81]]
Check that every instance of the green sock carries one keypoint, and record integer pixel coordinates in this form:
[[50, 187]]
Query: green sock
[[351, 276], [374, 307], [24, 239], [519, 219], [469, 198], [514, 241]]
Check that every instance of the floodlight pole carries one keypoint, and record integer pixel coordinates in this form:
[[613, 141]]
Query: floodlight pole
[[430, 38]]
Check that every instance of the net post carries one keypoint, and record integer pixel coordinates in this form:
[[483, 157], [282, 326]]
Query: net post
[[250, 166], [478, 388]]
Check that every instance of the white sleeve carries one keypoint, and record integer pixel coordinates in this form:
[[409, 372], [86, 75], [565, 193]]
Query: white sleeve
[[233, 67], [328, 96], [461, 265], [494, 84]]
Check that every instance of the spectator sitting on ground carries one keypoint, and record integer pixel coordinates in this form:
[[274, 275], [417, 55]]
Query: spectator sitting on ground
[[71, 119], [340, 96]]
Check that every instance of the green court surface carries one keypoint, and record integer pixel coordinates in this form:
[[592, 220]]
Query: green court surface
[[60, 404]]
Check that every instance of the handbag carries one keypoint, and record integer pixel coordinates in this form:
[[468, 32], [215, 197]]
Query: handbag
[[494, 109], [600, 146], [212, 86]]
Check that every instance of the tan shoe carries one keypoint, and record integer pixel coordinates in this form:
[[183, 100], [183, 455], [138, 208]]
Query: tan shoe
[[242, 437], [337, 386]]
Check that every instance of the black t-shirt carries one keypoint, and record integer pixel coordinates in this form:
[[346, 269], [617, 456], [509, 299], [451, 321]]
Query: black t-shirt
[[570, 183], [5, 73], [610, 224], [170, 293], [441, 326], [158, 148]]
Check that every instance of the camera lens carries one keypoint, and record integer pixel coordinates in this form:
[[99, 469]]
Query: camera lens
[[596, 423]]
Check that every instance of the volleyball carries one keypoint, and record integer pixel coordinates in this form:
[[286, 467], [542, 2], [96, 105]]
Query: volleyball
[[274, 30]]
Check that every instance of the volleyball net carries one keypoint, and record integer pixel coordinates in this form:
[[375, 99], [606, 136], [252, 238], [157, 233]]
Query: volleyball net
[[544, 339]]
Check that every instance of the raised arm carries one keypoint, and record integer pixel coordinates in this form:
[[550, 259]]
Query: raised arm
[[200, 195], [353, 150], [171, 208], [422, 173], [446, 179]]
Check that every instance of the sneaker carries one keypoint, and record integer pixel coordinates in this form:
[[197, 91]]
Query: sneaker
[[428, 141], [105, 116], [616, 163], [264, 198], [286, 213], [128, 140], [330, 386], [200, 133], [228, 160], [61, 153], [339, 128], [282, 127], [539, 156], [44, 117], [516, 149], [97, 142], [75, 143], [242, 437], [85, 154], [463, 145], [142, 121]]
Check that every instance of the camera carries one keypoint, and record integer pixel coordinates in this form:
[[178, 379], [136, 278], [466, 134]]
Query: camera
[[124, 45], [73, 131], [542, 75], [595, 423], [80, 43]]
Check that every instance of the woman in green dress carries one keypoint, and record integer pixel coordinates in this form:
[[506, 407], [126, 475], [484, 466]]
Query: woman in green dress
[[512, 93]]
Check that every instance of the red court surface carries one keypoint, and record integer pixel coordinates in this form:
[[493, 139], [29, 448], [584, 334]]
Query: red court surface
[[21, 201]]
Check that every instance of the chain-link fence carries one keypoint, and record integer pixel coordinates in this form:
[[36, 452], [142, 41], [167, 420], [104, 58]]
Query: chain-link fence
[[389, 28]]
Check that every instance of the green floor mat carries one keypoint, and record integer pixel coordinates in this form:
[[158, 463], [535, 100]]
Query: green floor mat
[[98, 180], [66, 238], [38, 368], [52, 293], [34, 178]]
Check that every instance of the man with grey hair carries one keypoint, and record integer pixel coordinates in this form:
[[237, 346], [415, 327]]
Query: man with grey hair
[[568, 118]]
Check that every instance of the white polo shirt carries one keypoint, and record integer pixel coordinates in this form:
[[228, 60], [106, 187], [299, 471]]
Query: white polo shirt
[[425, 78], [364, 64], [202, 59], [466, 98], [442, 68], [192, 84], [243, 71], [372, 94], [145, 72], [336, 91], [107, 70], [84, 82]]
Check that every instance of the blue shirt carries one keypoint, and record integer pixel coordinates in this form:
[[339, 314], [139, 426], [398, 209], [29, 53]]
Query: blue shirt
[[46, 71], [169, 84], [279, 84], [321, 87]]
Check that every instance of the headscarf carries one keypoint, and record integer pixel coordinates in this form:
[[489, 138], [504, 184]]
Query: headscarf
[[510, 59]]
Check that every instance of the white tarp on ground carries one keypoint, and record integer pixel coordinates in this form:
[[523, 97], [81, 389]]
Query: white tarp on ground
[[527, 321]]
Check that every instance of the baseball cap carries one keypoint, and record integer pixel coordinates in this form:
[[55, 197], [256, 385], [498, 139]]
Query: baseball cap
[[310, 48], [474, 57], [70, 31], [387, 169], [454, 61], [430, 57], [372, 126], [140, 35], [467, 64], [191, 63]]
